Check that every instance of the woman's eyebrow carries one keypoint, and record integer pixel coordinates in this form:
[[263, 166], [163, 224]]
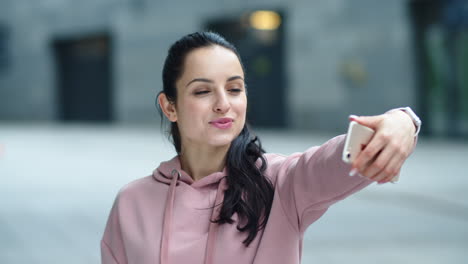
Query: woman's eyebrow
[[211, 81], [234, 78], [199, 80]]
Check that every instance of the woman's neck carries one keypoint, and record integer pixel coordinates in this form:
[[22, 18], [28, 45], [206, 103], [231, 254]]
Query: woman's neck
[[199, 162]]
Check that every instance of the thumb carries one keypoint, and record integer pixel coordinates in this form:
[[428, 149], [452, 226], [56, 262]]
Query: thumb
[[368, 121]]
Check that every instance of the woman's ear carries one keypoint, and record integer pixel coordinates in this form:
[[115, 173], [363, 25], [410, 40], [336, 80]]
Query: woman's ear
[[167, 107]]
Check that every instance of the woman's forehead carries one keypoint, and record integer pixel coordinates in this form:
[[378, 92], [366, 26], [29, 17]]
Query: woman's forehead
[[212, 62]]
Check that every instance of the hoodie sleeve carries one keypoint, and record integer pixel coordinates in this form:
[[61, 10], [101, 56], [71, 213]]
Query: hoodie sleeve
[[112, 245], [107, 256], [309, 182]]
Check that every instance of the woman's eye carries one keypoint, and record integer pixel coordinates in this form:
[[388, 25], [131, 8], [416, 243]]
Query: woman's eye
[[235, 90], [201, 92]]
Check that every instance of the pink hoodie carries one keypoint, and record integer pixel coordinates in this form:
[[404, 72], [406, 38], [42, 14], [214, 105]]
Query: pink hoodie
[[165, 218]]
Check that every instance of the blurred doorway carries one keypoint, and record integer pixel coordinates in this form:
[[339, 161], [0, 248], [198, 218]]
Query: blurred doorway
[[84, 78], [440, 31], [259, 38]]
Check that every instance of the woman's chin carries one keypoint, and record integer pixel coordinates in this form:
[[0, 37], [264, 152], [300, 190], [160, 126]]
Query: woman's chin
[[221, 141]]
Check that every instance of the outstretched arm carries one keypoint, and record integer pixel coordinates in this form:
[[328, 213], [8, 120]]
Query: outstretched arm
[[309, 182]]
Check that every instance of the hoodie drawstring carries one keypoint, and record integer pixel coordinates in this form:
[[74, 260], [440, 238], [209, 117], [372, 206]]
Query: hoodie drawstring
[[212, 229], [164, 252]]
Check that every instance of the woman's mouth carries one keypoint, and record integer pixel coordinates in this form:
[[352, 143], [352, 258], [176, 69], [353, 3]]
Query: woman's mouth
[[222, 123]]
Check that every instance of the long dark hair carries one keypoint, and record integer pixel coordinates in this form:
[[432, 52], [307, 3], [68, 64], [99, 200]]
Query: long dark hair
[[249, 192]]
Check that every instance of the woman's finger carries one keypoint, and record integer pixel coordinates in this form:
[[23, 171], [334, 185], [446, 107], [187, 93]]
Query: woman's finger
[[393, 168], [377, 169], [369, 153], [390, 170]]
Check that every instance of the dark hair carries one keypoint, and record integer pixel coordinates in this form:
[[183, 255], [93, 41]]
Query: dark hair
[[249, 192]]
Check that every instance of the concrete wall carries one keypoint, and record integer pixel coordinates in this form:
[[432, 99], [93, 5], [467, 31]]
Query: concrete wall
[[333, 43], [343, 57]]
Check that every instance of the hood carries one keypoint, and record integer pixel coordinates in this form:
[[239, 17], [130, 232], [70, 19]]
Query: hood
[[165, 171]]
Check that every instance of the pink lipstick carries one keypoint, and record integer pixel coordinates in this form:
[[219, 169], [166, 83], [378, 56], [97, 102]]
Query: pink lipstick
[[222, 123]]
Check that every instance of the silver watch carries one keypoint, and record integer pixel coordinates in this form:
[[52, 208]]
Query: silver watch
[[416, 120]]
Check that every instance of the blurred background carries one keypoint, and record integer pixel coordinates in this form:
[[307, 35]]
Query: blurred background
[[78, 80]]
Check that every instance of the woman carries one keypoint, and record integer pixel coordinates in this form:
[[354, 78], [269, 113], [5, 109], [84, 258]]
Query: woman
[[222, 199]]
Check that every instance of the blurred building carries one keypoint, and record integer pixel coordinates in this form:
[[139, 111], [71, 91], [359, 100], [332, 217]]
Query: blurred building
[[319, 62]]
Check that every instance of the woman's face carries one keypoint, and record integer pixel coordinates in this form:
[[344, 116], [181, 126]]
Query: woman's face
[[211, 98]]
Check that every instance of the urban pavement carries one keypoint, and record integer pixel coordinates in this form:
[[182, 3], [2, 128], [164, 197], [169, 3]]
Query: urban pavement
[[58, 182]]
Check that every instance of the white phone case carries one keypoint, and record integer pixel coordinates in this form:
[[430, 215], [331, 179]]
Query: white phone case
[[356, 139]]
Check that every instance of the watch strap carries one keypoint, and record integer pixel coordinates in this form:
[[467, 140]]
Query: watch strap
[[416, 120]]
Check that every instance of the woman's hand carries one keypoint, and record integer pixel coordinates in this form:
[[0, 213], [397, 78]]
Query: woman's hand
[[392, 143]]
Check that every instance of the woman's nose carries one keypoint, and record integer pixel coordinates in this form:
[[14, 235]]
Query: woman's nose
[[222, 104]]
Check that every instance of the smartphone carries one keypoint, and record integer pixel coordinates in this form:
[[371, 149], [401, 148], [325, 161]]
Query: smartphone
[[356, 140]]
